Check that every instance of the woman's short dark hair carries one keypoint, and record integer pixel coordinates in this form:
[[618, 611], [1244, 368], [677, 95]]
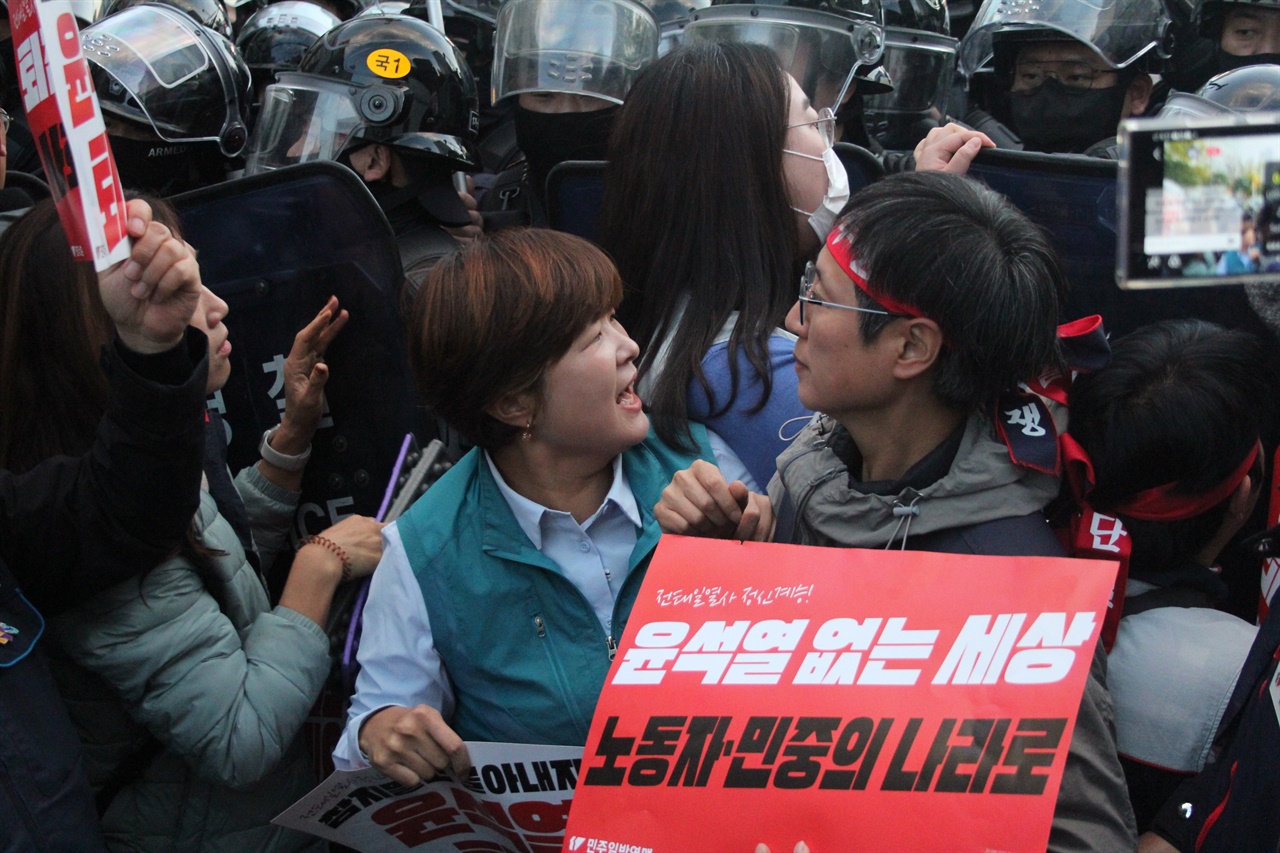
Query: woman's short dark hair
[[696, 207], [490, 318], [969, 260], [1179, 403]]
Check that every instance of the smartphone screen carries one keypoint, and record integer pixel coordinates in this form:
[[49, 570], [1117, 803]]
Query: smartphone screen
[[1200, 205]]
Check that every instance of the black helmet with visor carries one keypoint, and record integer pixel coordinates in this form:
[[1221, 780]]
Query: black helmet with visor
[[390, 79]]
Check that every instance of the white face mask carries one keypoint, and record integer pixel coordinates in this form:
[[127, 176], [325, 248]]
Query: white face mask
[[834, 199]]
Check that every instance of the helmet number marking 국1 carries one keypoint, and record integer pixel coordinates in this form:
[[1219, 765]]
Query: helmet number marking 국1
[[388, 63]]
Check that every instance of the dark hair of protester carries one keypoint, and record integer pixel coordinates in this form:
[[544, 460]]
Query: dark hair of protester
[[1178, 404], [967, 259], [696, 204], [52, 389], [492, 317]]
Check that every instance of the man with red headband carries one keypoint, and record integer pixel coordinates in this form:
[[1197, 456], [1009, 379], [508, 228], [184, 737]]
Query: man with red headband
[[1164, 460], [931, 301]]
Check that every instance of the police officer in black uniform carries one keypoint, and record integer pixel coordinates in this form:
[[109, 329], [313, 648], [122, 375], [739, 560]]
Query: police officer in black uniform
[[391, 97], [174, 96], [568, 65], [1065, 71]]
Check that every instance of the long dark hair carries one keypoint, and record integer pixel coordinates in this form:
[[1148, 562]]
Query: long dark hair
[[696, 206], [52, 326]]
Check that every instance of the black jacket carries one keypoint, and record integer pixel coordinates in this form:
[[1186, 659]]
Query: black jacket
[[1232, 804], [69, 529]]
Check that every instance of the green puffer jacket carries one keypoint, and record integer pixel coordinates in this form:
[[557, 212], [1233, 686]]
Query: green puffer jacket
[[208, 669]]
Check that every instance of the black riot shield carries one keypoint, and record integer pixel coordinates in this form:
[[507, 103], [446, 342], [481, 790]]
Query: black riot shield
[[1073, 198], [862, 166], [275, 246], [575, 188]]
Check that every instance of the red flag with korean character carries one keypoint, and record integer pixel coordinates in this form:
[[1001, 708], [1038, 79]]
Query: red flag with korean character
[[66, 122], [852, 699]]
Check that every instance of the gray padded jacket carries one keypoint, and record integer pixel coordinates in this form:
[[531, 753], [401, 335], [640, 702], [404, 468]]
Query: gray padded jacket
[[207, 668], [983, 505]]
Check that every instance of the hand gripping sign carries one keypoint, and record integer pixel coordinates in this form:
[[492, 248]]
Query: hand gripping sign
[[66, 122], [515, 800], [856, 700]]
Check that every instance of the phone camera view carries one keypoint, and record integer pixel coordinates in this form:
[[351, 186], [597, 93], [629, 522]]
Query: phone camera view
[[1216, 212]]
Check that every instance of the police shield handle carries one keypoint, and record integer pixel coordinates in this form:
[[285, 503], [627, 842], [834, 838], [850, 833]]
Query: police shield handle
[[66, 123]]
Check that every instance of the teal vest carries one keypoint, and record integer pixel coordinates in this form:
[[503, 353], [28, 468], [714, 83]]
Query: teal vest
[[524, 652]]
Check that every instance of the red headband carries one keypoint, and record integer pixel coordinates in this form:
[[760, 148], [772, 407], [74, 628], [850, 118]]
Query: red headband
[[841, 248], [1162, 504]]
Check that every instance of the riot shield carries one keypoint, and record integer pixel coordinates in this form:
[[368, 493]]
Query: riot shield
[[275, 246], [575, 188], [863, 167]]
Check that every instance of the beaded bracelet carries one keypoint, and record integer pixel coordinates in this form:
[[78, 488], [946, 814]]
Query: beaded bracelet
[[335, 548]]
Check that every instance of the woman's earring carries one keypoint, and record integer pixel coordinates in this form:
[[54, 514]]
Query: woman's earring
[[528, 431]]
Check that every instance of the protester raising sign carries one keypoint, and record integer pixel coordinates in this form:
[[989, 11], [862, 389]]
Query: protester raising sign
[[66, 123], [873, 700]]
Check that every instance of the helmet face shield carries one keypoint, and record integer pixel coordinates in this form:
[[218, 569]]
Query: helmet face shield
[[154, 65], [820, 50], [1119, 31], [1252, 88], [580, 47], [1182, 105], [303, 119], [922, 66], [484, 9]]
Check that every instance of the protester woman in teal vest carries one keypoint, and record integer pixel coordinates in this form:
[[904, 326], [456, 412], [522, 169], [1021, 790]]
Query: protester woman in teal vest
[[505, 588]]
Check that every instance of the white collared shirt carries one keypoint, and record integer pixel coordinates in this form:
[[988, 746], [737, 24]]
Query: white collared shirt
[[399, 663]]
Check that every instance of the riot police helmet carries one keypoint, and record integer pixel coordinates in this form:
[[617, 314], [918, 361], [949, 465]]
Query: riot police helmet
[[209, 13], [389, 79], [672, 17], [825, 45], [276, 37], [920, 58], [155, 66], [574, 47], [1253, 88], [1119, 32]]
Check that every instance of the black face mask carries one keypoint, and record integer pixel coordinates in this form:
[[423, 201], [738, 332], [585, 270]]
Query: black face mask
[[1230, 62], [1058, 119], [550, 138], [166, 168]]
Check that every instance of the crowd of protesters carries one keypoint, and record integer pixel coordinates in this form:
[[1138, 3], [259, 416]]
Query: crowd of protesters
[[748, 348]]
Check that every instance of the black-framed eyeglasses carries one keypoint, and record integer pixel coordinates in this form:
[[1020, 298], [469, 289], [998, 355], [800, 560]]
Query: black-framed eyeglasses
[[810, 278], [5, 120], [826, 124], [1029, 76]]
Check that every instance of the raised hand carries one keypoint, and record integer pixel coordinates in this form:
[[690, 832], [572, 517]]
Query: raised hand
[[152, 295]]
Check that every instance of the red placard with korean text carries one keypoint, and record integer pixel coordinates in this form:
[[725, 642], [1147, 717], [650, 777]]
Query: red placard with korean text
[[856, 700], [66, 123]]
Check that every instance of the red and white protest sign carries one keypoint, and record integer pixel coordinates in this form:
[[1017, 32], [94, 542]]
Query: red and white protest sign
[[516, 800], [66, 123], [856, 700]]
